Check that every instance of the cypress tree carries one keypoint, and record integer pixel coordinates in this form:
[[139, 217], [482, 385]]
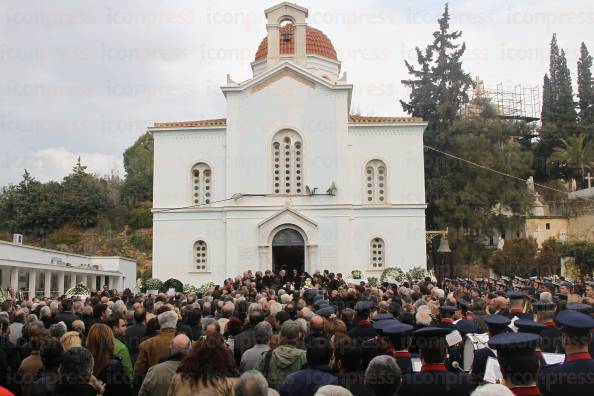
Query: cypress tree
[[565, 113], [585, 86], [547, 97]]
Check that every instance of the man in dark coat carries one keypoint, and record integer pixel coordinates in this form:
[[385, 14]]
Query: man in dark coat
[[363, 328], [315, 374], [517, 361], [9, 357], [135, 332], [246, 339], [434, 378], [67, 315], [347, 363], [551, 336], [574, 377]]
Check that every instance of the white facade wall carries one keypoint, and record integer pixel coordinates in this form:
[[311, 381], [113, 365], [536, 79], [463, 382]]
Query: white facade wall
[[337, 230]]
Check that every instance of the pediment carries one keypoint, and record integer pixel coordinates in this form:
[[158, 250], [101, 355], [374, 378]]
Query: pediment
[[288, 216]]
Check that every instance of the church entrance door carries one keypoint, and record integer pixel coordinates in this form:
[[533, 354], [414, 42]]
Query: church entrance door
[[288, 251]]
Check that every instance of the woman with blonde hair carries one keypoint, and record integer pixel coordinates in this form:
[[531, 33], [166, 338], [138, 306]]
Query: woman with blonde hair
[[70, 339], [108, 367]]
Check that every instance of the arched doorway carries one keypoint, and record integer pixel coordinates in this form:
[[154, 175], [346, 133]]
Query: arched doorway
[[288, 251]]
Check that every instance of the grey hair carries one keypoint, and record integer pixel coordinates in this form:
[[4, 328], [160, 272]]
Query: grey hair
[[251, 383], [383, 370], [492, 390], [263, 332], [181, 349], [423, 318], [546, 297], [167, 320], [57, 330], [254, 307], [303, 327], [45, 312], [209, 321], [333, 390], [77, 365]]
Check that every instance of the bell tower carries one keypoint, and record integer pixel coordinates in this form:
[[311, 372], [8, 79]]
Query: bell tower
[[278, 17]]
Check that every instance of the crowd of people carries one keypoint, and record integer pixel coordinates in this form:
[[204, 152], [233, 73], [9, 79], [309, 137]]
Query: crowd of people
[[299, 335]]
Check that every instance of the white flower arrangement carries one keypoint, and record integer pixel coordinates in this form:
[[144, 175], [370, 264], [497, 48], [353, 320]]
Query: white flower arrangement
[[80, 290], [190, 289]]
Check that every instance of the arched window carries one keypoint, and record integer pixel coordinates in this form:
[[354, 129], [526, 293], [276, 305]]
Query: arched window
[[200, 256], [378, 253], [375, 182], [287, 163], [201, 184]]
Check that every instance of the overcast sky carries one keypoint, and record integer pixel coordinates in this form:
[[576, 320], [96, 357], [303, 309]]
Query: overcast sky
[[87, 77]]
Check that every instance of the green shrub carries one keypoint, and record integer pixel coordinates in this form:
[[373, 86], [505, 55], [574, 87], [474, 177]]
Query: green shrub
[[172, 283], [141, 242]]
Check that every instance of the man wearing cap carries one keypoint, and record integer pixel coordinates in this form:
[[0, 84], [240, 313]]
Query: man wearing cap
[[532, 327], [277, 364], [434, 378], [517, 361], [445, 317], [516, 305], [363, 330], [551, 336], [497, 324], [575, 377], [398, 337]]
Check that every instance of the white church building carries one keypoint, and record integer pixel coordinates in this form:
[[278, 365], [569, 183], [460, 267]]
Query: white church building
[[289, 179]]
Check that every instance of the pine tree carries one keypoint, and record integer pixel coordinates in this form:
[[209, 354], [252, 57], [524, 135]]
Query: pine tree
[[585, 86], [439, 85]]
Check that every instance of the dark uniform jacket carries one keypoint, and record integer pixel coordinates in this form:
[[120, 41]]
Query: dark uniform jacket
[[551, 339], [575, 377], [435, 379], [479, 363]]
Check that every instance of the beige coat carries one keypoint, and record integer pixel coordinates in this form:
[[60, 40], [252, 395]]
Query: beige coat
[[153, 350], [182, 387]]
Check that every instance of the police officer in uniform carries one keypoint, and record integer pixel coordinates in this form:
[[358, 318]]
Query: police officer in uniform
[[551, 336], [434, 378], [516, 305], [398, 337], [532, 327], [517, 361], [575, 377], [497, 324]]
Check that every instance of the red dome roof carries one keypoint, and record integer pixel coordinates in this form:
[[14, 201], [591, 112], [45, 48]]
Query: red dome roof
[[317, 43]]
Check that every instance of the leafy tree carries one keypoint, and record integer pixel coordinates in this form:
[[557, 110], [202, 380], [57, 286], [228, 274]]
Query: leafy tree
[[31, 207], [84, 198], [564, 110], [471, 198], [518, 257], [585, 86], [547, 261], [138, 163], [576, 153], [583, 252]]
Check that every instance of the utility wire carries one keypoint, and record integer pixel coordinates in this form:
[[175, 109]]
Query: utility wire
[[491, 169]]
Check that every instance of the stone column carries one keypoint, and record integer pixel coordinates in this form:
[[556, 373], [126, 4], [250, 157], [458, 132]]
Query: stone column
[[5, 277], [263, 255], [14, 278], [104, 279], [72, 279], [47, 284], [60, 281], [91, 282], [32, 282]]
